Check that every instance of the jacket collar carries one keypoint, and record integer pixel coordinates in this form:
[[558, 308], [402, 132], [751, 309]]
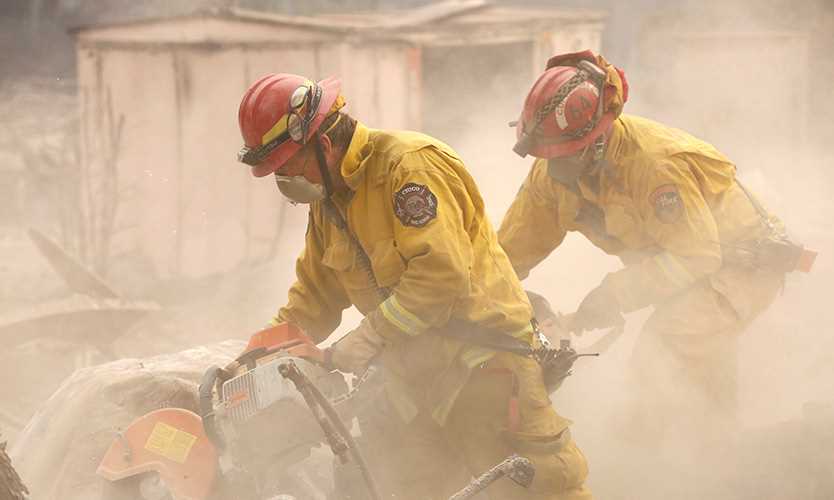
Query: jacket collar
[[353, 164]]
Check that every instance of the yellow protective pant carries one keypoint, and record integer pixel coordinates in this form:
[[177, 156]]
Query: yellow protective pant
[[421, 460], [683, 370]]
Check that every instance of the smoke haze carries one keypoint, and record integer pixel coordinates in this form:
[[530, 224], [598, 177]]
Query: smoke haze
[[753, 79]]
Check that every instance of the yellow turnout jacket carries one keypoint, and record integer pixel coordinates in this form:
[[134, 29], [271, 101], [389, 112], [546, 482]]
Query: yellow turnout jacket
[[665, 203], [419, 217]]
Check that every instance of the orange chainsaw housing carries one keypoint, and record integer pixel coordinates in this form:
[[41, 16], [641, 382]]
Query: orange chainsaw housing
[[284, 337], [170, 442]]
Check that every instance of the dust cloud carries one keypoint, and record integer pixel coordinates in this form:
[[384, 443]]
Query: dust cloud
[[752, 80], [740, 79]]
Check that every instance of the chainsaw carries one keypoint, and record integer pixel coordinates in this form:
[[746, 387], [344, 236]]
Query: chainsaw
[[253, 425], [254, 428]]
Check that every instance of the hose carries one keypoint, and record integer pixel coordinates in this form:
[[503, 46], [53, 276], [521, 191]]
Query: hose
[[303, 384], [207, 407]]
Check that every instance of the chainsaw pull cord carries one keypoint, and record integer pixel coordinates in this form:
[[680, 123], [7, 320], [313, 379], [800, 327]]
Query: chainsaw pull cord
[[306, 386]]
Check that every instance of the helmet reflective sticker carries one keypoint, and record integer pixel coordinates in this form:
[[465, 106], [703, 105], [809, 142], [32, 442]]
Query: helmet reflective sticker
[[561, 119]]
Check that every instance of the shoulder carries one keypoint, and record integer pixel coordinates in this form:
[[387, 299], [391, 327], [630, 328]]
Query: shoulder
[[408, 148], [654, 142], [647, 173], [393, 156]]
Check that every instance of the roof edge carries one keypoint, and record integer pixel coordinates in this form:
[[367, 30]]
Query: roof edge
[[226, 13]]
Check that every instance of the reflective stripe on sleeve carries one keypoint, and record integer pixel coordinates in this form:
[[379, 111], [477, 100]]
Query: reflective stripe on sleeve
[[674, 270], [400, 317]]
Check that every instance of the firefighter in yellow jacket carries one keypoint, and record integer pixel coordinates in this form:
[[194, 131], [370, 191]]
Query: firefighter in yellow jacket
[[670, 206], [397, 229]]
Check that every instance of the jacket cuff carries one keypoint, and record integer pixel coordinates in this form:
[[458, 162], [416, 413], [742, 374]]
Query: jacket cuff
[[393, 321]]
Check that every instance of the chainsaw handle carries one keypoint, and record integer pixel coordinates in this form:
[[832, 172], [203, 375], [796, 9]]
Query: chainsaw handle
[[311, 353], [307, 351], [206, 401]]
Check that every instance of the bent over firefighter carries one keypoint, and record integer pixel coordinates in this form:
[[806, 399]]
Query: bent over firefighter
[[696, 244], [397, 228]]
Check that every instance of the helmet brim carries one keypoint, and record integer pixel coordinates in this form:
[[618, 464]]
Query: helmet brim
[[331, 87]]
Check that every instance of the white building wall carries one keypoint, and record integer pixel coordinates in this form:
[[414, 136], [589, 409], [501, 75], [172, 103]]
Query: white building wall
[[187, 207]]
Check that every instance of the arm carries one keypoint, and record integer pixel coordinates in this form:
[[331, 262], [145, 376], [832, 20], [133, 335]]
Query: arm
[[435, 219], [679, 220], [530, 229], [316, 299]]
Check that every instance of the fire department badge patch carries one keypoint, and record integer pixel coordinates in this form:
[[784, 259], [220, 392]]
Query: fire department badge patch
[[667, 203], [415, 205]]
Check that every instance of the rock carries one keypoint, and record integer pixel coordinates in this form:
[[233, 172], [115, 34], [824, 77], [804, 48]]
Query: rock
[[58, 452], [11, 487]]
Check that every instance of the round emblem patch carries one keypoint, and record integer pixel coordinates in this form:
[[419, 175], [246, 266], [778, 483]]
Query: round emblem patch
[[415, 205], [667, 203]]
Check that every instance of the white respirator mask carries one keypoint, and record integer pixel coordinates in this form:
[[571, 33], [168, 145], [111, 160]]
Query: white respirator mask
[[298, 189]]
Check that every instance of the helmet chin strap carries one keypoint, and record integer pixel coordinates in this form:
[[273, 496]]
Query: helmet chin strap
[[598, 155], [569, 175], [599, 148], [323, 170]]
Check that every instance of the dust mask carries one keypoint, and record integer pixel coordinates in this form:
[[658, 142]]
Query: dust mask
[[567, 171], [298, 189]]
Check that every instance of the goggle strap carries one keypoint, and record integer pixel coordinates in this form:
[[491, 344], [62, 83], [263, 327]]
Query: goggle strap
[[585, 71], [254, 156]]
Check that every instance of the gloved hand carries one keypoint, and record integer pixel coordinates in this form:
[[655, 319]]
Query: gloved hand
[[354, 352], [599, 309]]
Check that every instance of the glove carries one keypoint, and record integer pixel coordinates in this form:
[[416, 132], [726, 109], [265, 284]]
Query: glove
[[354, 352], [599, 309]]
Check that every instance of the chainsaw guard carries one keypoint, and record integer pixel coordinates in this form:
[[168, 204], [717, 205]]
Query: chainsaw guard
[[170, 442]]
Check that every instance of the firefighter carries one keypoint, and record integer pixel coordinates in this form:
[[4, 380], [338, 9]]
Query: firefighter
[[397, 229], [670, 207]]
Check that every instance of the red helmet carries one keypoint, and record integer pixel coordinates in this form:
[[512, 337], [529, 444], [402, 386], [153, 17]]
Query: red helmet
[[563, 112], [278, 114]]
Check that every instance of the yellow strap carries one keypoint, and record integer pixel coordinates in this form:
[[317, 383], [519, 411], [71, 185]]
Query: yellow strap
[[338, 119], [338, 104]]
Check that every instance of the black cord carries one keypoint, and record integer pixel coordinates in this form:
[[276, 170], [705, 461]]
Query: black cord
[[325, 405]]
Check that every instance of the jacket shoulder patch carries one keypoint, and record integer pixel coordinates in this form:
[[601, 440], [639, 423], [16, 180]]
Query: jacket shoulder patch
[[667, 203], [415, 205]]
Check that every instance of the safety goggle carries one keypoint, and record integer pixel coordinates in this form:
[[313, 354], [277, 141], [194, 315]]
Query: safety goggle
[[301, 110]]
